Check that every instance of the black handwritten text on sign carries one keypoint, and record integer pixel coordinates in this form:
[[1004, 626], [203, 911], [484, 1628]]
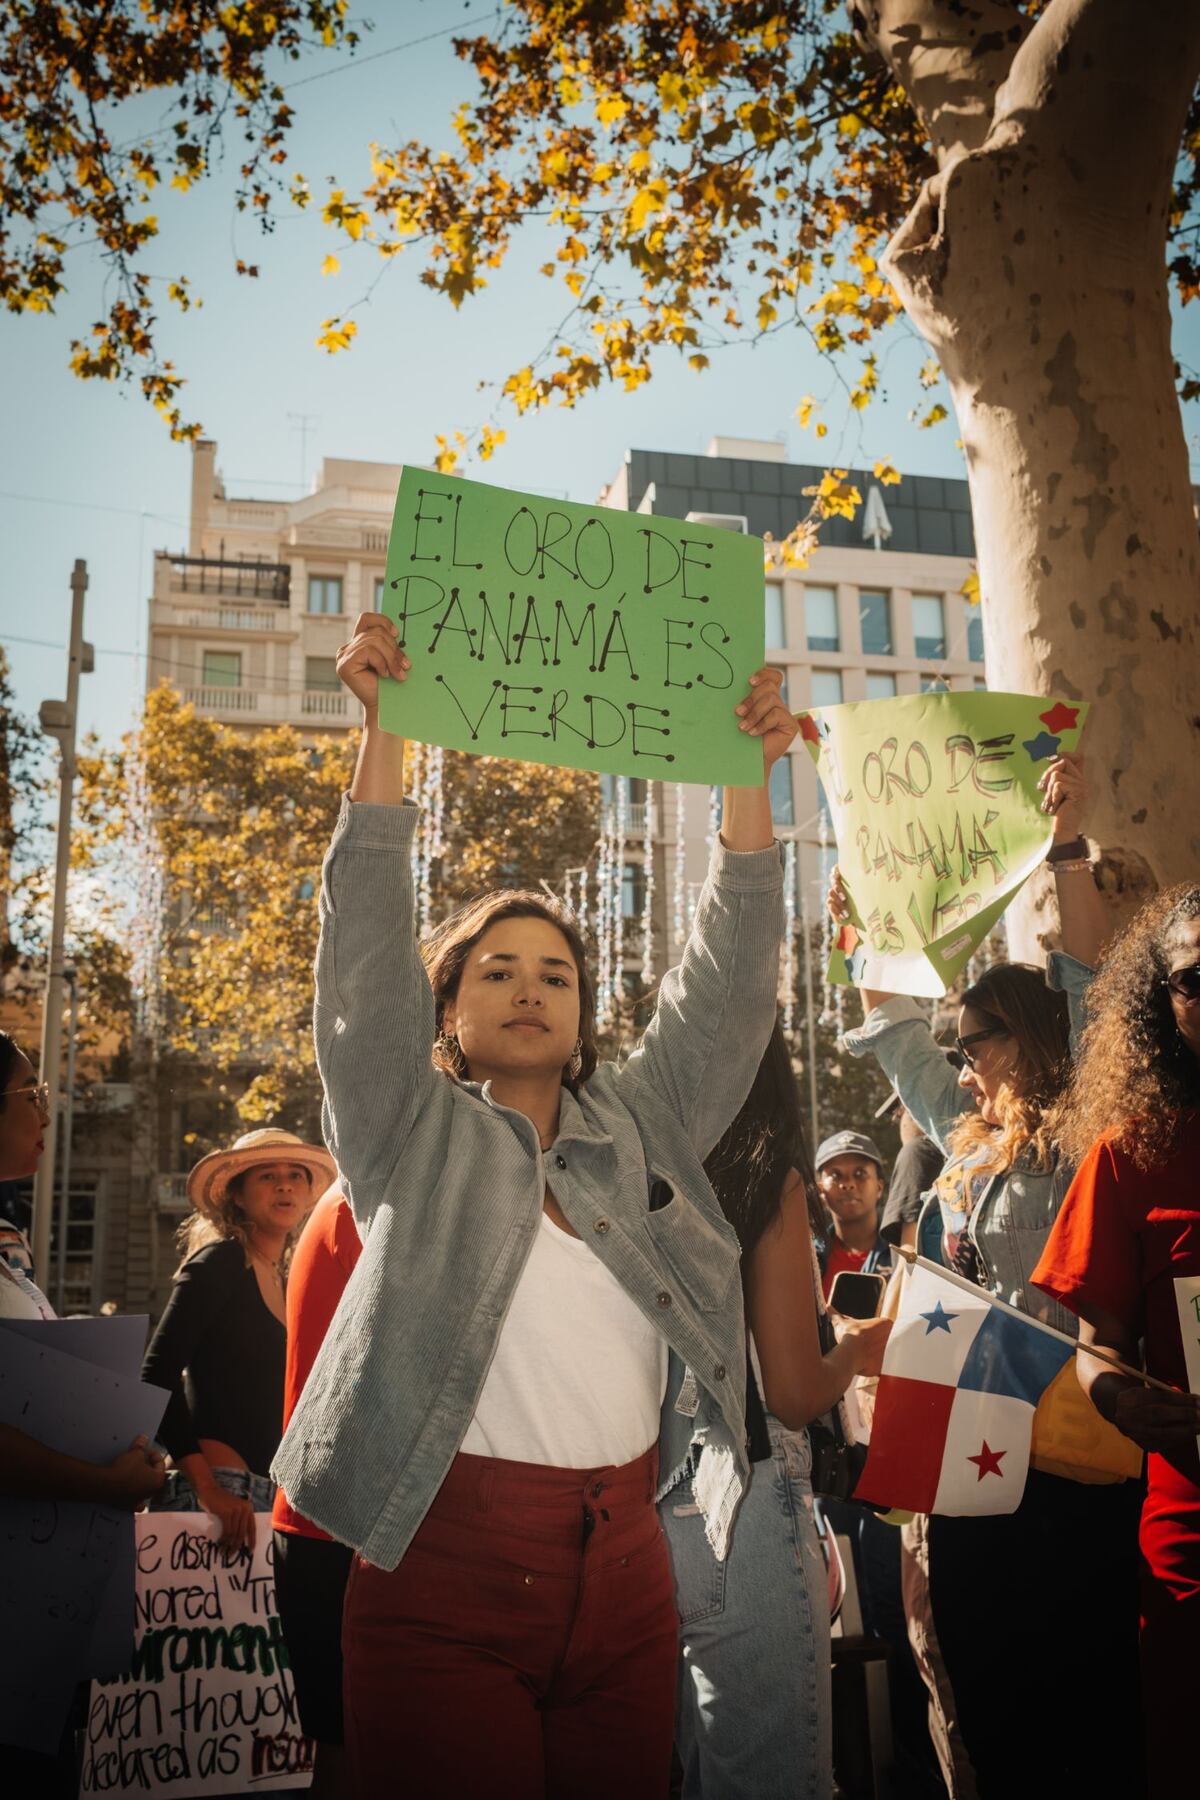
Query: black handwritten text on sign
[[578, 636]]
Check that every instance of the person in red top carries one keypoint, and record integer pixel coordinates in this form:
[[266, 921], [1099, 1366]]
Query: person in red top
[[1125, 1255], [850, 1182], [310, 1567]]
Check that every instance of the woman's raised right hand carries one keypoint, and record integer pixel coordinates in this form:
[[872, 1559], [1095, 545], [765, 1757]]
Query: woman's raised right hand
[[371, 652], [837, 900]]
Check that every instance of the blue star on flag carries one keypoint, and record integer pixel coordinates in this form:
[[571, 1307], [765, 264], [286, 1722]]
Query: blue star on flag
[[1042, 747], [939, 1319]]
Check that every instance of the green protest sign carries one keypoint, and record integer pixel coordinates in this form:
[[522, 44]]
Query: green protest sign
[[573, 635], [938, 822]]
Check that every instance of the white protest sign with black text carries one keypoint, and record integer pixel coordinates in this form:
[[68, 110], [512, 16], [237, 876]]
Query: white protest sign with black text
[[209, 1706]]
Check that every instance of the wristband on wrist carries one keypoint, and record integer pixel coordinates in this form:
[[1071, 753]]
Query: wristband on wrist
[[1074, 850]]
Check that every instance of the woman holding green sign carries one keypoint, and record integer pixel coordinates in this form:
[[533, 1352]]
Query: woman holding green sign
[[546, 1321], [1070, 1546]]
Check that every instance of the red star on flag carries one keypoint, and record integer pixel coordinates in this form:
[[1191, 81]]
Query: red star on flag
[[848, 939], [1060, 717], [808, 729], [988, 1461]]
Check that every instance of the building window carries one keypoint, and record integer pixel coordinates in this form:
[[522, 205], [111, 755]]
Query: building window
[[635, 789], [881, 687], [875, 622], [933, 684], [975, 634], [783, 806], [380, 590], [222, 668], [320, 674], [776, 632], [633, 890], [324, 593], [821, 618], [826, 687], [929, 626], [980, 685]]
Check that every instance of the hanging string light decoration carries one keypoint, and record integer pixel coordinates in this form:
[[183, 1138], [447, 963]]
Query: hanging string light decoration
[[621, 832], [788, 971], [678, 883], [144, 859], [604, 944], [828, 1013], [648, 893], [414, 787], [714, 817]]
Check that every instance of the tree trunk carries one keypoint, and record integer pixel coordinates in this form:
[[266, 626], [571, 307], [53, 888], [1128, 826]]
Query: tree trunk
[[1035, 265]]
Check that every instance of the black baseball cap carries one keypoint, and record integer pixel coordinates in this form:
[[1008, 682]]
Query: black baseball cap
[[847, 1143]]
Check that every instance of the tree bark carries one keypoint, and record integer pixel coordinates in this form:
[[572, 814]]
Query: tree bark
[[1034, 263]]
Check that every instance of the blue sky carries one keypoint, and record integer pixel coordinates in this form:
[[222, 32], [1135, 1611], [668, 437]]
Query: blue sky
[[88, 470]]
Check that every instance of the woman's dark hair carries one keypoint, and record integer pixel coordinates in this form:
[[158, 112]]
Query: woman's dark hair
[[1135, 1078], [10, 1050], [445, 954], [749, 1165]]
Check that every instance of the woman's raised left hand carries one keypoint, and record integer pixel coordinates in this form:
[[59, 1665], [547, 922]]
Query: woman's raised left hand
[[1065, 794], [764, 714]]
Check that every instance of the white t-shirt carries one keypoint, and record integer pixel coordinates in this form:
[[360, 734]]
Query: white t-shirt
[[20, 1298], [579, 1374]]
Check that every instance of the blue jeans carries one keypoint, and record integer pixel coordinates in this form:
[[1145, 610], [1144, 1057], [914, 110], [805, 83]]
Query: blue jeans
[[178, 1495], [753, 1713]]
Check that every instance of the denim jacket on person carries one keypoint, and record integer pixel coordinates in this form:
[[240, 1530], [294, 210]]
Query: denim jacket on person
[[1011, 1219], [446, 1187]]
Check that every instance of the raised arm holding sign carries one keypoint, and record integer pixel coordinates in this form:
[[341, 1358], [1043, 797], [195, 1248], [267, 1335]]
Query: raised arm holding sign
[[941, 810]]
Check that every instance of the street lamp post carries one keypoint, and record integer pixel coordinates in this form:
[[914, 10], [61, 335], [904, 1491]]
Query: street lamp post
[[59, 719]]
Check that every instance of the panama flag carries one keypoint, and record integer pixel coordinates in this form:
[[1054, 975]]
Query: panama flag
[[962, 1377]]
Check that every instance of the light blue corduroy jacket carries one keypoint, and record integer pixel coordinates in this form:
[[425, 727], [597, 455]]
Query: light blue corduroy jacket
[[446, 1189]]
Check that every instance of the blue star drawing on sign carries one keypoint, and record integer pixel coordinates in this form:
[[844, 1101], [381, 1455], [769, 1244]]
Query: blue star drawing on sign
[[939, 1319], [1042, 747]]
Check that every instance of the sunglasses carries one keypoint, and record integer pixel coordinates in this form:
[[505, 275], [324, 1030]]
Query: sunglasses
[[1185, 983], [977, 1037]]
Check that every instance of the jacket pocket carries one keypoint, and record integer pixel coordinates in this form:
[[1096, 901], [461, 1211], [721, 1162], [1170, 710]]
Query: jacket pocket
[[701, 1256]]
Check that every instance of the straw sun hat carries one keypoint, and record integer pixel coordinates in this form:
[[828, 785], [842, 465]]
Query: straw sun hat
[[209, 1181]]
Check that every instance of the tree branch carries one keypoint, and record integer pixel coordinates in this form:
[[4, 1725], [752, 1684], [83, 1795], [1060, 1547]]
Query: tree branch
[[1100, 89], [951, 57]]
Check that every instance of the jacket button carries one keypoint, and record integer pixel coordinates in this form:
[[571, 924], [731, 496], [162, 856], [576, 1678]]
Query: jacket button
[[560, 1162], [601, 1226], [719, 1372], [664, 1299]]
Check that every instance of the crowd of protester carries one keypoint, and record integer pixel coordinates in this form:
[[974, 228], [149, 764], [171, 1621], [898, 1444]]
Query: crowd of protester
[[547, 1374]]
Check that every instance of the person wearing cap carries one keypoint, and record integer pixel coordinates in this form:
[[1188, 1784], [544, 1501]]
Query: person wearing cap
[[221, 1343], [850, 1182]]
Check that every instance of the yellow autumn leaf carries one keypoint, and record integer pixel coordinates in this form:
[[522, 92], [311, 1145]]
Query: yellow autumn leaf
[[490, 441], [610, 109], [886, 472], [934, 416], [970, 588], [330, 266], [672, 91], [822, 430], [652, 199], [850, 126], [334, 336], [699, 361]]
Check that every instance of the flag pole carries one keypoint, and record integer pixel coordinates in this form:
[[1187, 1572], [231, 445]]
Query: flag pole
[[1105, 1356]]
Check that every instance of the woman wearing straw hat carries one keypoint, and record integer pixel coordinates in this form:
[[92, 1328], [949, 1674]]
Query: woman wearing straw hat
[[221, 1342]]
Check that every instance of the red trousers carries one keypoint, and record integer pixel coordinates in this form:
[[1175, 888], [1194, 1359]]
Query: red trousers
[[524, 1648]]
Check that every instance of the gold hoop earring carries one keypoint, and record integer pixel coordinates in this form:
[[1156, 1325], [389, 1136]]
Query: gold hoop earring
[[575, 1065], [449, 1050]]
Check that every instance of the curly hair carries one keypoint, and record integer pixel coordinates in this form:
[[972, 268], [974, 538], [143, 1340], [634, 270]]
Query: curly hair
[[1015, 997], [1135, 1078]]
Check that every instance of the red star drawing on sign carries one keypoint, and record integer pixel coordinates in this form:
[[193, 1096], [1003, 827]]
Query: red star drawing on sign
[[1060, 717], [848, 939], [988, 1460], [808, 729]]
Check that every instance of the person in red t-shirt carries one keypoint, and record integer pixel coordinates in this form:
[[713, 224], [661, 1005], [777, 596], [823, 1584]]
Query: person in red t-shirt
[[1125, 1255], [850, 1182], [310, 1567]]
